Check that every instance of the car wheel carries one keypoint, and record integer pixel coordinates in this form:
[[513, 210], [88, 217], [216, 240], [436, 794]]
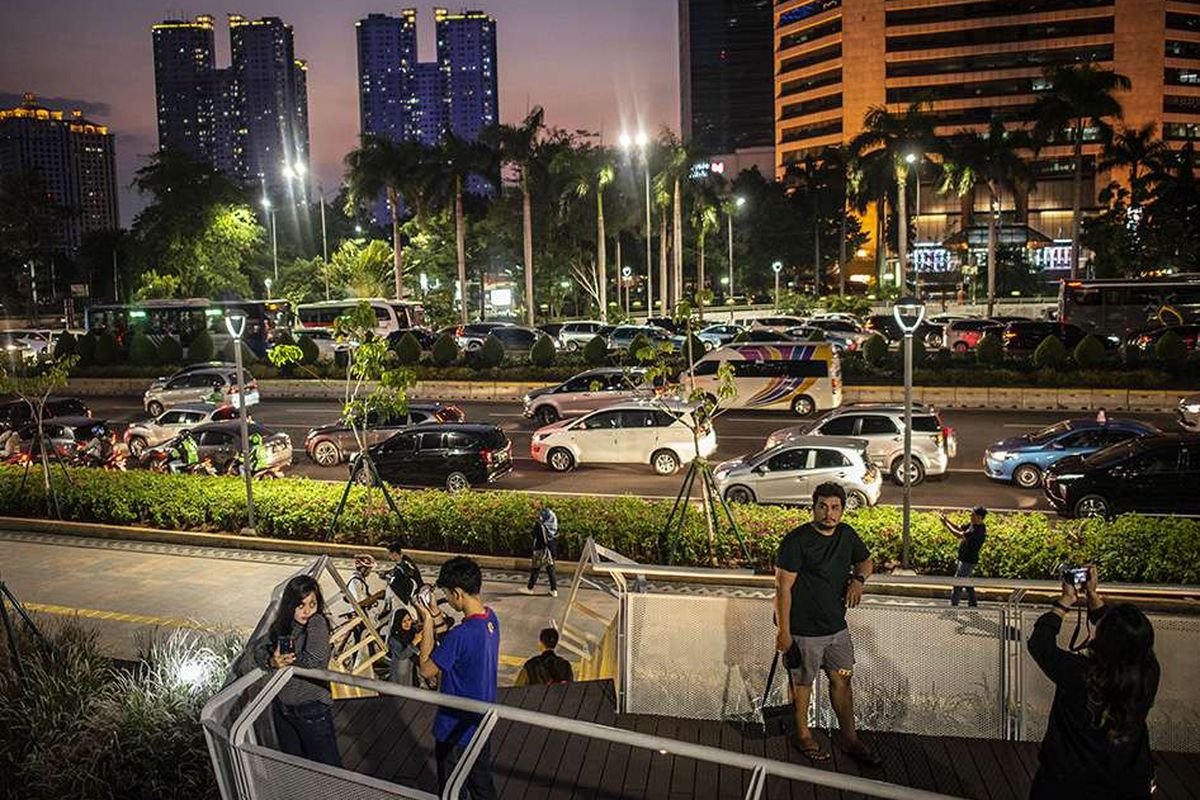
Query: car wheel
[[560, 459], [473, 346], [1092, 505], [457, 482], [739, 494], [708, 346], [961, 347], [664, 462], [137, 446], [154, 408], [326, 453], [364, 478], [804, 406], [545, 415], [856, 500], [572, 346], [1027, 476], [915, 468]]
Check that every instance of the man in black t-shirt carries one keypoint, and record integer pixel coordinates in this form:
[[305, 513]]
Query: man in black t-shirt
[[971, 536], [820, 571], [547, 667]]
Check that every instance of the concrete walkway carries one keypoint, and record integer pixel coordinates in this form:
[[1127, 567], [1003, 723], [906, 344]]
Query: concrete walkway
[[125, 590]]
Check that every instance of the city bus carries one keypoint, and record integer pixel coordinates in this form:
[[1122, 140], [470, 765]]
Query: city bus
[[1117, 307], [805, 378], [390, 315], [183, 319]]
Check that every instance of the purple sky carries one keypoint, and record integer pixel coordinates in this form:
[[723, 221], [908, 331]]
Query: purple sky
[[596, 65]]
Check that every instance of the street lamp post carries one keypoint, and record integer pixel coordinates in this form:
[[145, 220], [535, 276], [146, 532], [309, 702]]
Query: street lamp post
[[297, 171], [908, 313], [737, 203], [268, 283], [626, 274], [236, 325], [270, 209], [776, 267], [641, 140]]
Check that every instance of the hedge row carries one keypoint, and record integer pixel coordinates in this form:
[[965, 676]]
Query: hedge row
[[1131, 548]]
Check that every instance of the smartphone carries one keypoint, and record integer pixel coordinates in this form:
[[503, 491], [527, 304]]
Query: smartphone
[[286, 647], [425, 596]]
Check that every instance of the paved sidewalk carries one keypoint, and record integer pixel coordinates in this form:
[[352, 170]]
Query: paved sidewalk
[[124, 590]]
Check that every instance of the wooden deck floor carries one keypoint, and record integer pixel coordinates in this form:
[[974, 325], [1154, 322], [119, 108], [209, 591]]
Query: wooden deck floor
[[390, 738]]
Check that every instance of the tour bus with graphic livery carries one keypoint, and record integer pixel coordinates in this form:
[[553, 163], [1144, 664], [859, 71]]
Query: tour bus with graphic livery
[[804, 377]]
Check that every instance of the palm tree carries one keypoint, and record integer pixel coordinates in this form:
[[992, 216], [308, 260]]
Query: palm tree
[[990, 159], [1080, 97], [519, 146], [837, 163], [676, 163], [705, 219], [888, 145], [458, 161], [589, 171], [1135, 149], [398, 169]]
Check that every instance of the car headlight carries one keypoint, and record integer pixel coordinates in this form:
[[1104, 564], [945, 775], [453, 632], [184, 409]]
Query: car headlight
[[1000, 455], [1192, 408]]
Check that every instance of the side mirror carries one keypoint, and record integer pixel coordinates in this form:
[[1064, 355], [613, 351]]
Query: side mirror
[[761, 469]]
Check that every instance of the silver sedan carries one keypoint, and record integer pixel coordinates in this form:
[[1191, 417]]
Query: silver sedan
[[789, 472]]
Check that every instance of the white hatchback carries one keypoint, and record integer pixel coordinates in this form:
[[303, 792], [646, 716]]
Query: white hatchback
[[654, 432]]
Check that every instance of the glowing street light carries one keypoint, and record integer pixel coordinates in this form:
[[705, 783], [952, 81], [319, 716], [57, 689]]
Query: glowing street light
[[641, 141], [626, 274], [269, 207], [908, 313], [737, 203]]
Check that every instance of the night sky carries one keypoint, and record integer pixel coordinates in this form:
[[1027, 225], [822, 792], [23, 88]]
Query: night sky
[[600, 66]]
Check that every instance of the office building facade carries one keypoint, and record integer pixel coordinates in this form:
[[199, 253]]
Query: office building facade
[[387, 56], [975, 60], [466, 53], [725, 73], [247, 119], [75, 159]]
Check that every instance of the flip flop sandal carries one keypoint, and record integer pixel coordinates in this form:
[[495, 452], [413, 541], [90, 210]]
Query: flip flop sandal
[[813, 752], [863, 756]]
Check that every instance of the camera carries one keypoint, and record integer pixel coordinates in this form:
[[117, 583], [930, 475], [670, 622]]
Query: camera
[[425, 596], [1076, 576]]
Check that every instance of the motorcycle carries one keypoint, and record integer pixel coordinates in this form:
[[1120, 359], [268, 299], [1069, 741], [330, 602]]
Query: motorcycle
[[234, 467]]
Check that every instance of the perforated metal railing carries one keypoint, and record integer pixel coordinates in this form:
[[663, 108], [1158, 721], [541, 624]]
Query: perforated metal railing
[[261, 772], [922, 666]]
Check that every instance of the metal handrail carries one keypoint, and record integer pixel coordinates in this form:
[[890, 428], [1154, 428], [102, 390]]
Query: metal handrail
[[738, 577], [241, 736]]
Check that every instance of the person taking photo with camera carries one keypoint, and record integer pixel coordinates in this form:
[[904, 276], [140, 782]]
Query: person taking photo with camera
[[1096, 743], [465, 663], [820, 571]]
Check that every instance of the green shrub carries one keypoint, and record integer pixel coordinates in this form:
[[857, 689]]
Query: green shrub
[[201, 348], [491, 354], [1170, 349], [170, 351], [1089, 353], [595, 352], [142, 351], [445, 350], [542, 353], [310, 353], [1050, 353], [990, 350], [636, 346], [228, 354], [408, 349], [107, 351], [1022, 545], [65, 345], [1130, 356], [874, 350], [85, 348]]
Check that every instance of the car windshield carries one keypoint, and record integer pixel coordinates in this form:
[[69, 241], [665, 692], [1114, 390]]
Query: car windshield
[[1112, 455], [1049, 434]]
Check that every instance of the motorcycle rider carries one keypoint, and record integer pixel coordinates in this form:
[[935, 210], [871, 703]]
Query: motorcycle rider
[[183, 453], [98, 449], [258, 456]]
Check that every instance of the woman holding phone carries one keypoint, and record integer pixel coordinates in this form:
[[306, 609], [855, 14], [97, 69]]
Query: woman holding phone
[[303, 709]]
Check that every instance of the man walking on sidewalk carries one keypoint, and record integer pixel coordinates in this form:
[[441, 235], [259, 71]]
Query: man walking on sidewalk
[[971, 536], [545, 531]]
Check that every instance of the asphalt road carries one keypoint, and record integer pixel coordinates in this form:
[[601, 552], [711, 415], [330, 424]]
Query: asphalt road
[[737, 434]]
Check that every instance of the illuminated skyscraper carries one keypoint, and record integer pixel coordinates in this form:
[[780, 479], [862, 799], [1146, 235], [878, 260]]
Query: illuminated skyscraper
[[75, 159], [183, 89], [466, 53], [387, 54]]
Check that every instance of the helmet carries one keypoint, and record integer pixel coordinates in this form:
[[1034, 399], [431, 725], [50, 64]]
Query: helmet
[[256, 438], [364, 561], [185, 434]]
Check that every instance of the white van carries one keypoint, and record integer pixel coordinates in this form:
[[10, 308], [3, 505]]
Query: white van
[[805, 377], [654, 432], [390, 315]]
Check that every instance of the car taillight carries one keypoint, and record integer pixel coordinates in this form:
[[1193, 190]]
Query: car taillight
[[485, 456], [1010, 335]]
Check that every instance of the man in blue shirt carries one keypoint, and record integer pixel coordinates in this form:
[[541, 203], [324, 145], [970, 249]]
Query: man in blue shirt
[[465, 664]]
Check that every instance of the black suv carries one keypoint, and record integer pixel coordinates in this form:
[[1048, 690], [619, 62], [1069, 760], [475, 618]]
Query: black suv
[[455, 455], [1150, 474], [14, 413], [1024, 337]]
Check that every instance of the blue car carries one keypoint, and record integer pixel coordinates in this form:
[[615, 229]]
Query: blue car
[[1023, 459]]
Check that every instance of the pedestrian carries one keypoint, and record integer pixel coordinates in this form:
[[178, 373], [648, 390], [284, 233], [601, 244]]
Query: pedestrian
[[545, 532], [303, 709], [820, 571], [971, 538], [465, 664], [404, 643], [1096, 743], [547, 667], [364, 564], [405, 576]]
